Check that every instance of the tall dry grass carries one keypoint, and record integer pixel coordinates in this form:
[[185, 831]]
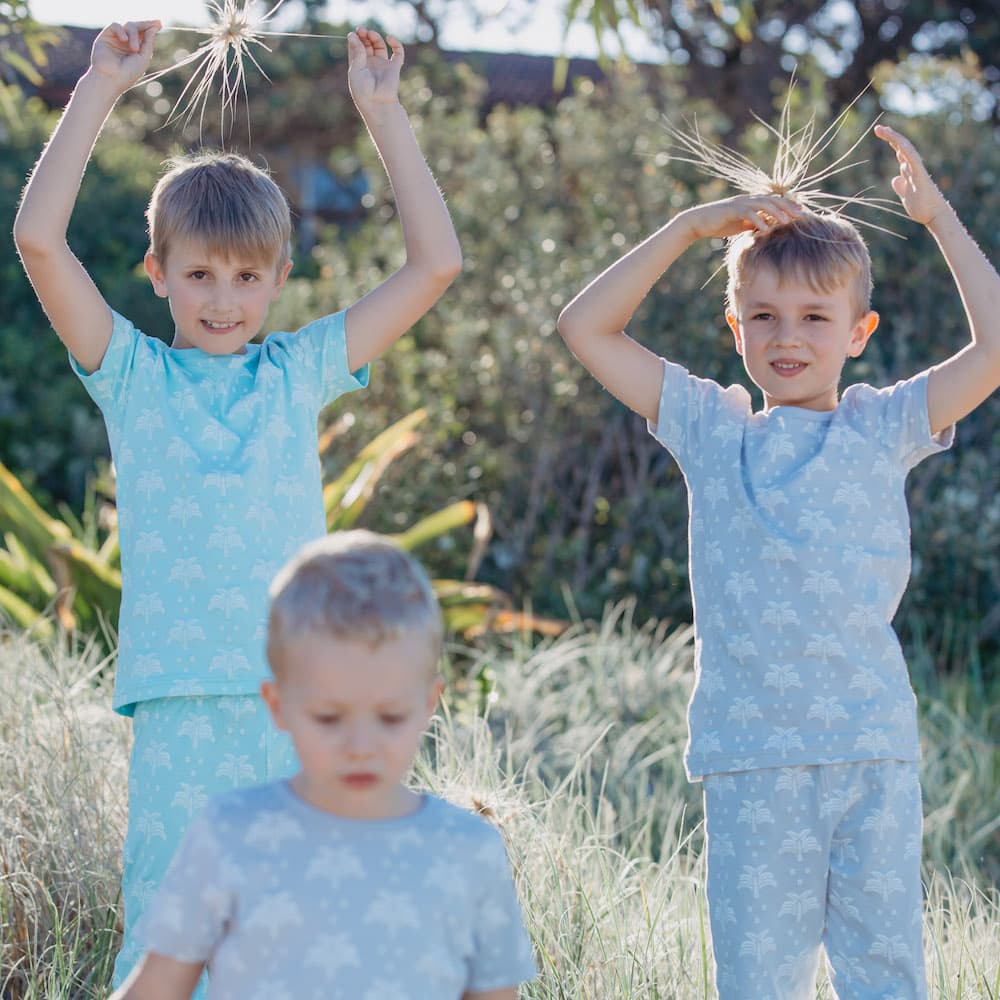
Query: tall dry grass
[[572, 745]]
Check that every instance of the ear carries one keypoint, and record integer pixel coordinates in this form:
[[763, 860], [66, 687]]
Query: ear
[[272, 697], [862, 332], [434, 694], [734, 325], [280, 282], [154, 271]]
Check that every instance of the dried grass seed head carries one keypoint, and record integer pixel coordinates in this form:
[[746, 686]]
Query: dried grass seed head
[[353, 585], [224, 202], [823, 250]]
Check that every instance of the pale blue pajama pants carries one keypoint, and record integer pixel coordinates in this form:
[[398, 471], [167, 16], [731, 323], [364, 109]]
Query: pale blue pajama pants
[[185, 750], [827, 855]]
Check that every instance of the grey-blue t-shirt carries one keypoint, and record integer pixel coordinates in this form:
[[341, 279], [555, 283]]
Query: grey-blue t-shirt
[[283, 900], [799, 542]]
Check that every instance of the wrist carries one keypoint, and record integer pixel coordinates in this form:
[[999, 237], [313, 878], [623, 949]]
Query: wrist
[[95, 84], [383, 115]]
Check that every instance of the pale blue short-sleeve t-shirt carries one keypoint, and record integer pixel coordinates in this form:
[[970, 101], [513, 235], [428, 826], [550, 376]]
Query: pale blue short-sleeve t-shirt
[[283, 900], [219, 483], [799, 544]]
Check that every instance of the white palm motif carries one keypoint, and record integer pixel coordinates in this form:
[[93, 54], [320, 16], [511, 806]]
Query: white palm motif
[[275, 914], [713, 554], [842, 849], [263, 570], [227, 538], [782, 676], [757, 945], [868, 681], [784, 740], [799, 843], [184, 400], [755, 813], [711, 682], [231, 662], [149, 542], [844, 906], [814, 522], [186, 571], [383, 989], [892, 948], [185, 510], [271, 829], [881, 821], [884, 884], [156, 756], [228, 601], [334, 865], [779, 445], [149, 421], [707, 743], [147, 605], [779, 614], [851, 968], [798, 904], [150, 826], [823, 583], [874, 741], [741, 522], [883, 467], [853, 495], [185, 632], [827, 710], [771, 499], [839, 801], [237, 769], [756, 878], [716, 491], [740, 584], [190, 798], [793, 779], [180, 451], [741, 648], [331, 953], [149, 483], [743, 710], [238, 707], [856, 555], [224, 482], [279, 431], [289, 488], [777, 551], [215, 435], [147, 665], [863, 618], [393, 910], [197, 728], [824, 647], [887, 534], [260, 513]]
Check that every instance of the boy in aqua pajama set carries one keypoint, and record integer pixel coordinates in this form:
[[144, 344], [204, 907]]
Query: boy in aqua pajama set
[[214, 438], [802, 723]]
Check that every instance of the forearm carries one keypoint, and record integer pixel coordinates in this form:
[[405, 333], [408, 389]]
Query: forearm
[[50, 195], [977, 280], [607, 304], [428, 232]]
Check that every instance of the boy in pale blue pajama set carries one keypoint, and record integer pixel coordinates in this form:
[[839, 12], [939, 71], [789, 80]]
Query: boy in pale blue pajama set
[[802, 723], [341, 883], [214, 438]]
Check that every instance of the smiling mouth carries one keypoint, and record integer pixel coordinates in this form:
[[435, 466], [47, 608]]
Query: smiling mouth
[[788, 367], [219, 327], [364, 780]]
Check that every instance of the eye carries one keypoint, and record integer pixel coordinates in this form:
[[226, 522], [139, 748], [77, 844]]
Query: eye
[[815, 318], [198, 275], [761, 316], [247, 276], [326, 720], [393, 719]]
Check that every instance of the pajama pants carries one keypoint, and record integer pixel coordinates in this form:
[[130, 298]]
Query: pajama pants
[[185, 750], [801, 857]]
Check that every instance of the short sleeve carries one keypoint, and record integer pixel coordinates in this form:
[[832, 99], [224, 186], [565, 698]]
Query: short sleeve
[[315, 358], [901, 421], [107, 383], [188, 916], [502, 955], [693, 409]]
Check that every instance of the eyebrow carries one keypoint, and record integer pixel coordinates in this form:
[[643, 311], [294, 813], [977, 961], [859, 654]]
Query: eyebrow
[[764, 304]]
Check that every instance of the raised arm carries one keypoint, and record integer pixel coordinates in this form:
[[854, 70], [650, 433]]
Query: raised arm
[[593, 324], [71, 300], [956, 386], [433, 256], [158, 977]]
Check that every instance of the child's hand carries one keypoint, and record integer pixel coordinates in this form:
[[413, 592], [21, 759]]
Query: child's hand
[[122, 52], [920, 196], [739, 214], [372, 74]]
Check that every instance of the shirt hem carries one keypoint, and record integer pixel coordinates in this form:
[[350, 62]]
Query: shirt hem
[[124, 702], [763, 763]]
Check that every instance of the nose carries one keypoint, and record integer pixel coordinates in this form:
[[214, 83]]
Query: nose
[[360, 739], [787, 334]]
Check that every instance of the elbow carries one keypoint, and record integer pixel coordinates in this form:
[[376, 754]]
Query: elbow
[[569, 324], [446, 269], [28, 240]]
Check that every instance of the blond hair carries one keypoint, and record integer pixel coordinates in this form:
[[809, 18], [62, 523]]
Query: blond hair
[[353, 585], [822, 249], [224, 202]]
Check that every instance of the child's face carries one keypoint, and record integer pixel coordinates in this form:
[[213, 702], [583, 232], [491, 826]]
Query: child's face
[[219, 304], [356, 715], [794, 340]]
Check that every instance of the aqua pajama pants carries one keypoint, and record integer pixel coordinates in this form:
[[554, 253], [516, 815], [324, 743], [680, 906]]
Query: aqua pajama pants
[[807, 856], [185, 750]]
